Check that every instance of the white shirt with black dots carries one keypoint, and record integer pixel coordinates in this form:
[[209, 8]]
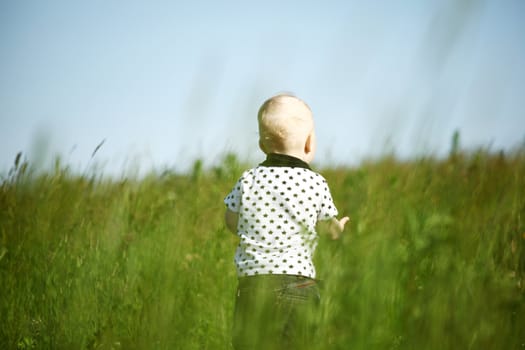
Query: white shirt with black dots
[[278, 208]]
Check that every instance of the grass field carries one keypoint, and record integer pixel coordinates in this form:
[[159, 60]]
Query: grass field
[[434, 257]]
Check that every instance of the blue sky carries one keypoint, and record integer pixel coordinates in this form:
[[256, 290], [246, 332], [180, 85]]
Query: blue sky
[[167, 82]]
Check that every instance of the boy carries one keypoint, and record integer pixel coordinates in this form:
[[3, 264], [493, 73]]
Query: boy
[[274, 209]]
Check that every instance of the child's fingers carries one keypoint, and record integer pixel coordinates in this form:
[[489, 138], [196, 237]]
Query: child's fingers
[[343, 222]]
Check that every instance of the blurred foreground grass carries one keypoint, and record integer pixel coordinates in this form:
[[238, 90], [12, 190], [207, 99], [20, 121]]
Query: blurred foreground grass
[[434, 258]]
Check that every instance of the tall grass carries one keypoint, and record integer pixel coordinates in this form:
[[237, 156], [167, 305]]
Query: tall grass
[[434, 257]]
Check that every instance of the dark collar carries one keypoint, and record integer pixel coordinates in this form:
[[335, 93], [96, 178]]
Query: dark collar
[[284, 160]]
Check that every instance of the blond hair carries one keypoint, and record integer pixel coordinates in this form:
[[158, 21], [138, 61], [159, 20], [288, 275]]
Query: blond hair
[[285, 122]]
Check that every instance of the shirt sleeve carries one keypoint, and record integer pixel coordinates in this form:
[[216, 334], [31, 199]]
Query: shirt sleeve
[[328, 209], [233, 199]]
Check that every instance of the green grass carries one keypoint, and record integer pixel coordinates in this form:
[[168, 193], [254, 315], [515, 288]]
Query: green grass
[[434, 257]]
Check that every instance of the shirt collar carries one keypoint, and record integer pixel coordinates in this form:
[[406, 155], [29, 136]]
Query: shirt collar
[[284, 160]]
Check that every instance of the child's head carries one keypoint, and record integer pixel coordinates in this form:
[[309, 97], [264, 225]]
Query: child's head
[[286, 126]]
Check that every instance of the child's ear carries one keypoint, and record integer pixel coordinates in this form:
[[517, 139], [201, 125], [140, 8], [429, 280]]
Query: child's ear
[[261, 146], [308, 144], [309, 147]]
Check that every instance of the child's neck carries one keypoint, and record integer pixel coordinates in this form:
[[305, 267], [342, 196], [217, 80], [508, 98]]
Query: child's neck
[[296, 154]]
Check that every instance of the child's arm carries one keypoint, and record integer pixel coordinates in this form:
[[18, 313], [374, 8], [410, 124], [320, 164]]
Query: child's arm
[[334, 226], [231, 218]]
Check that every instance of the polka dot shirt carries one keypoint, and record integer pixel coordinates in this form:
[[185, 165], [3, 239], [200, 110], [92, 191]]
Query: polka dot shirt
[[279, 203]]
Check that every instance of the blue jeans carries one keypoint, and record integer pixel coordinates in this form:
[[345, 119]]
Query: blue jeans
[[275, 312]]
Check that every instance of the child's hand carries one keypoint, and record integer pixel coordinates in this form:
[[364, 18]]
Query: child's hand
[[337, 227]]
